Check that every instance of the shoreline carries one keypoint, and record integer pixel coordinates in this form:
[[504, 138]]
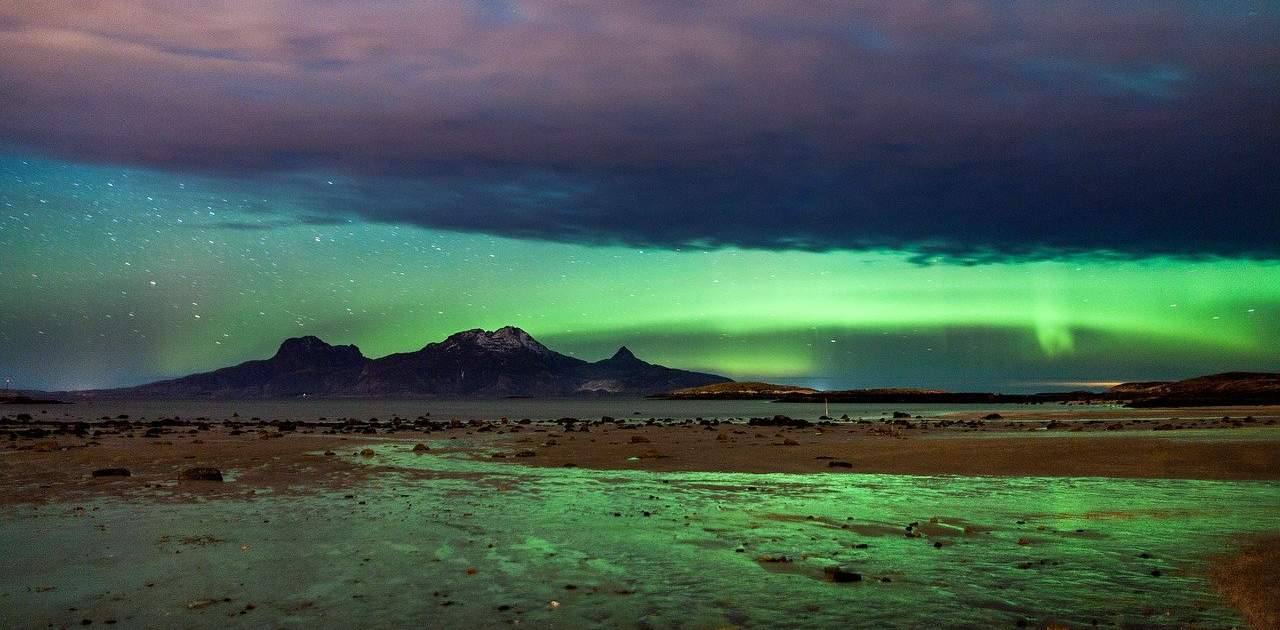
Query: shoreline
[[52, 460]]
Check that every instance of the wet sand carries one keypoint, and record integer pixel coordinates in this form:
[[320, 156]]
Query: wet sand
[[52, 464], [56, 460], [1192, 454]]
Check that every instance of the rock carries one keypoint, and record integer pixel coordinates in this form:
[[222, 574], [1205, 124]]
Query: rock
[[201, 474], [839, 464], [774, 557], [779, 421], [525, 453], [639, 439], [46, 446], [368, 452], [111, 472], [901, 414], [838, 573], [993, 416], [420, 448]]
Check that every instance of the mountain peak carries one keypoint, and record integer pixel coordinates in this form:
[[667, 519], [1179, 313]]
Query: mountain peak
[[311, 349], [297, 345], [623, 354], [505, 339]]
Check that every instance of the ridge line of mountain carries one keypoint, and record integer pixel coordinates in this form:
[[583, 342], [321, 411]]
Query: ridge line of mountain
[[469, 363]]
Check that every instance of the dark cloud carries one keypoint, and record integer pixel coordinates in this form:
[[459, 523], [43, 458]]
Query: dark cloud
[[968, 130]]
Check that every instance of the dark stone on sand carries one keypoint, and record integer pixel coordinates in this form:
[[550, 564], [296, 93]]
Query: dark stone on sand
[[838, 573], [525, 453], [420, 448], [839, 464], [368, 452], [992, 416], [111, 472], [639, 439], [201, 474], [901, 414], [779, 421]]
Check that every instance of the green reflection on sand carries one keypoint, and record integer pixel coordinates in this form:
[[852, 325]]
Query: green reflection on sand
[[401, 556]]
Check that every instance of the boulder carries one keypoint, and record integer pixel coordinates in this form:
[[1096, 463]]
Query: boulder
[[840, 573], [111, 472]]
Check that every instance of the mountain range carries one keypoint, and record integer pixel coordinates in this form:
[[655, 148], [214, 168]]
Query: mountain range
[[471, 363]]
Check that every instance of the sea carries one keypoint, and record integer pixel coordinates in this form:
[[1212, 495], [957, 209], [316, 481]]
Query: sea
[[537, 409]]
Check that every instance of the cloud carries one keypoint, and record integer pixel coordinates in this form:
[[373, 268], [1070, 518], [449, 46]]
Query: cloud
[[969, 130]]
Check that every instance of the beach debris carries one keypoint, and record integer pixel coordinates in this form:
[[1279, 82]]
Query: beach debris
[[111, 472], [201, 474], [553, 604], [840, 573]]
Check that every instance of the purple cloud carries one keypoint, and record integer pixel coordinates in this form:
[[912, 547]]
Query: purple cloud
[[970, 129]]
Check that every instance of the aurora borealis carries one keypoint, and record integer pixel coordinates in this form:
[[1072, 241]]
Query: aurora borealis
[[962, 195]]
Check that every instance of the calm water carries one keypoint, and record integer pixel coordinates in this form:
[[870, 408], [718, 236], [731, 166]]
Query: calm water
[[513, 408], [402, 558]]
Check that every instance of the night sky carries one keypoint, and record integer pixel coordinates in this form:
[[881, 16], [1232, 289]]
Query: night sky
[[971, 195]]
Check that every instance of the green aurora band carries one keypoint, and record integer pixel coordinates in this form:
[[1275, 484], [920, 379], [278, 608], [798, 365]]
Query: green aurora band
[[115, 276]]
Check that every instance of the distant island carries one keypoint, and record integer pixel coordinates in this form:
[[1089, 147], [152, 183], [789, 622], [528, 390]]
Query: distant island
[[507, 362], [1229, 388]]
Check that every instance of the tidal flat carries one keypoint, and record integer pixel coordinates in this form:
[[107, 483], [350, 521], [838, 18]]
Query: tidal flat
[[492, 524]]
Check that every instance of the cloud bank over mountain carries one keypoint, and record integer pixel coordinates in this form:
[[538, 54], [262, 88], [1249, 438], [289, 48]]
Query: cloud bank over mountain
[[965, 130]]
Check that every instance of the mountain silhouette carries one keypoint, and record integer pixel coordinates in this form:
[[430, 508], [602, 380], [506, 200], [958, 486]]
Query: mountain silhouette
[[471, 363]]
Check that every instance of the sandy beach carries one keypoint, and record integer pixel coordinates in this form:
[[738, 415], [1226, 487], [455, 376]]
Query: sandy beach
[[53, 465]]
